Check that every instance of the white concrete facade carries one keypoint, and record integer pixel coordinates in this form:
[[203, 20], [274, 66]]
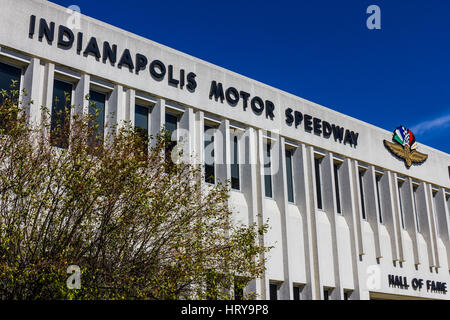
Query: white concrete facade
[[351, 253]]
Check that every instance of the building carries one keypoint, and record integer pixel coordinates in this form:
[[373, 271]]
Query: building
[[349, 220]]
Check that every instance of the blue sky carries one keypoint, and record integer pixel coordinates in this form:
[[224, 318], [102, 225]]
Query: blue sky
[[319, 50]]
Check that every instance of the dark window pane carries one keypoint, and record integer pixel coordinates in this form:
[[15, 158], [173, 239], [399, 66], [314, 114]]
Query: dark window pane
[[318, 182], [380, 212], [435, 210], [361, 191], [336, 187], [97, 110], [60, 122], [268, 172], [326, 295], [235, 183], [296, 293], [289, 179], [401, 204], [415, 208], [171, 126], [273, 288], [171, 122], [209, 154], [141, 118], [141, 126], [238, 291], [8, 74]]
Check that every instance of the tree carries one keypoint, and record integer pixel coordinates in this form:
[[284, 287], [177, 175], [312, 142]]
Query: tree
[[137, 225]]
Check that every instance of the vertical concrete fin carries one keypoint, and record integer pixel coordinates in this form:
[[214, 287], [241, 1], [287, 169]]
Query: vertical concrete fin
[[397, 217], [372, 207], [158, 119], [410, 217], [432, 223], [33, 82], [423, 209], [389, 212], [249, 187], [222, 145], [280, 197], [81, 93], [330, 208], [442, 220], [317, 293], [358, 207]]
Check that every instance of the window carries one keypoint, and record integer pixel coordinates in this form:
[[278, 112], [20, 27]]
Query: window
[[336, 187], [141, 119], [416, 212], [238, 289], [97, 103], [435, 206], [273, 288], [317, 162], [380, 212], [268, 171], [361, 192], [60, 121], [297, 292], [211, 287], [289, 178], [399, 186], [8, 74], [235, 183], [171, 127], [141, 125], [347, 295], [326, 294], [209, 154]]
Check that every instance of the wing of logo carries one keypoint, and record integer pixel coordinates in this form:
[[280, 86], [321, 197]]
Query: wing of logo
[[405, 146]]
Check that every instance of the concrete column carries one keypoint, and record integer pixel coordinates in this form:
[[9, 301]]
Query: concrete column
[[304, 199], [249, 187], [351, 215], [330, 208], [397, 217], [130, 103], [371, 204], [222, 151], [114, 109], [199, 137], [261, 203], [358, 206], [410, 218], [33, 85], [310, 206], [123, 105], [47, 100], [389, 212], [432, 220], [444, 221], [280, 197], [81, 104], [158, 119], [423, 209], [48, 86], [187, 134]]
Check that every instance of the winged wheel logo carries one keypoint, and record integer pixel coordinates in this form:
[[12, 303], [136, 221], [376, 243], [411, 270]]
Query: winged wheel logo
[[404, 146]]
